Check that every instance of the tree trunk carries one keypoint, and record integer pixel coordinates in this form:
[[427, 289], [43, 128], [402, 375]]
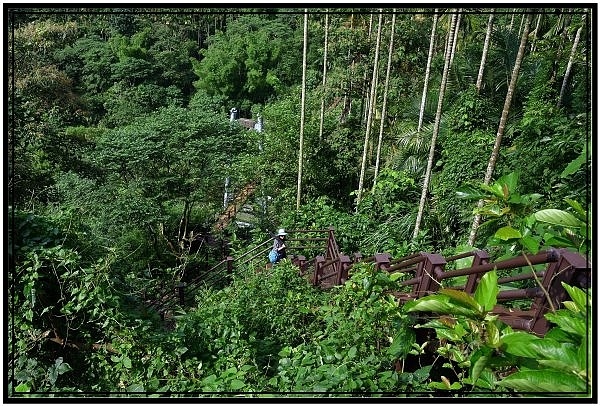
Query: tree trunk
[[509, 95], [370, 113], [535, 33], [427, 71], [486, 44], [324, 77], [300, 152], [456, 29], [569, 66], [365, 100], [521, 25], [436, 125], [347, 109], [385, 94], [562, 25], [512, 19]]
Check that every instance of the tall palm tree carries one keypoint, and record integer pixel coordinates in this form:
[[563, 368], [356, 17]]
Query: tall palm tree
[[300, 152], [385, 94], [324, 77], [436, 126], [486, 44], [569, 66], [347, 109], [370, 112], [535, 33], [366, 100], [456, 29], [503, 118], [521, 25], [427, 70], [512, 19], [559, 29]]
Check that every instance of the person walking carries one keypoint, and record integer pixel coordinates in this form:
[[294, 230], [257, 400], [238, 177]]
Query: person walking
[[278, 252]]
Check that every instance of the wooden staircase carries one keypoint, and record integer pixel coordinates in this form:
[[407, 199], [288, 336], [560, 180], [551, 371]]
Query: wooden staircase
[[233, 208]]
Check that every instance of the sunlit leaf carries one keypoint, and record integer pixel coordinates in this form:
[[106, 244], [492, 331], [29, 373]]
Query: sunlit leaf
[[566, 320], [236, 384], [507, 233], [531, 244], [487, 291], [22, 387], [544, 381], [577, 207], [583, 300], [462, 298], [557, 217], [479, 361], [519, 343]]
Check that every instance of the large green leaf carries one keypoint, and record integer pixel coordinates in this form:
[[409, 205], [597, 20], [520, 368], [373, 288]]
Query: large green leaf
[[495, 189], [487, 291], [584, 356], [446, 328], [493, 333], [551, 350], [509, 183], [22, 387], [469, 192], [557, 217], [434, 303], [136, 387], [568, 365], [461, 298], [557, 241], [440, 304], [544, 381], [507, 232], [568, 321], [479, 361], [575, 164], [531, 243], [581, 299], [492, 210], [444, 385], [401, 343], [581, 214], [519, 343], [236, 384]]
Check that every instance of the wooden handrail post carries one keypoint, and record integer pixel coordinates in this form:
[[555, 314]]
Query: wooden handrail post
[[332, 250], [479, 258], [568, 268], [319, 260], [300, 261], [382, 261], [357, 257], [229, 265], [432, 270], [345, 264]]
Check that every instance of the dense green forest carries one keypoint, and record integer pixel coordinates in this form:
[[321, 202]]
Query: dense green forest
[[404, 130]]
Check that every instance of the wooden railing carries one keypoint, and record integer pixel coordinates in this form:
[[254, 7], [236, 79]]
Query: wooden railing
[[531, 280], [300, 244]]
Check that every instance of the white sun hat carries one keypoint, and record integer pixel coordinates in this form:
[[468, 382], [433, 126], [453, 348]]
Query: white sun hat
[[281, 232]]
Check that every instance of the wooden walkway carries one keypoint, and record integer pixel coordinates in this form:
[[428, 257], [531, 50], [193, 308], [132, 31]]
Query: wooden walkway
[[535, 279], [232, 209]]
